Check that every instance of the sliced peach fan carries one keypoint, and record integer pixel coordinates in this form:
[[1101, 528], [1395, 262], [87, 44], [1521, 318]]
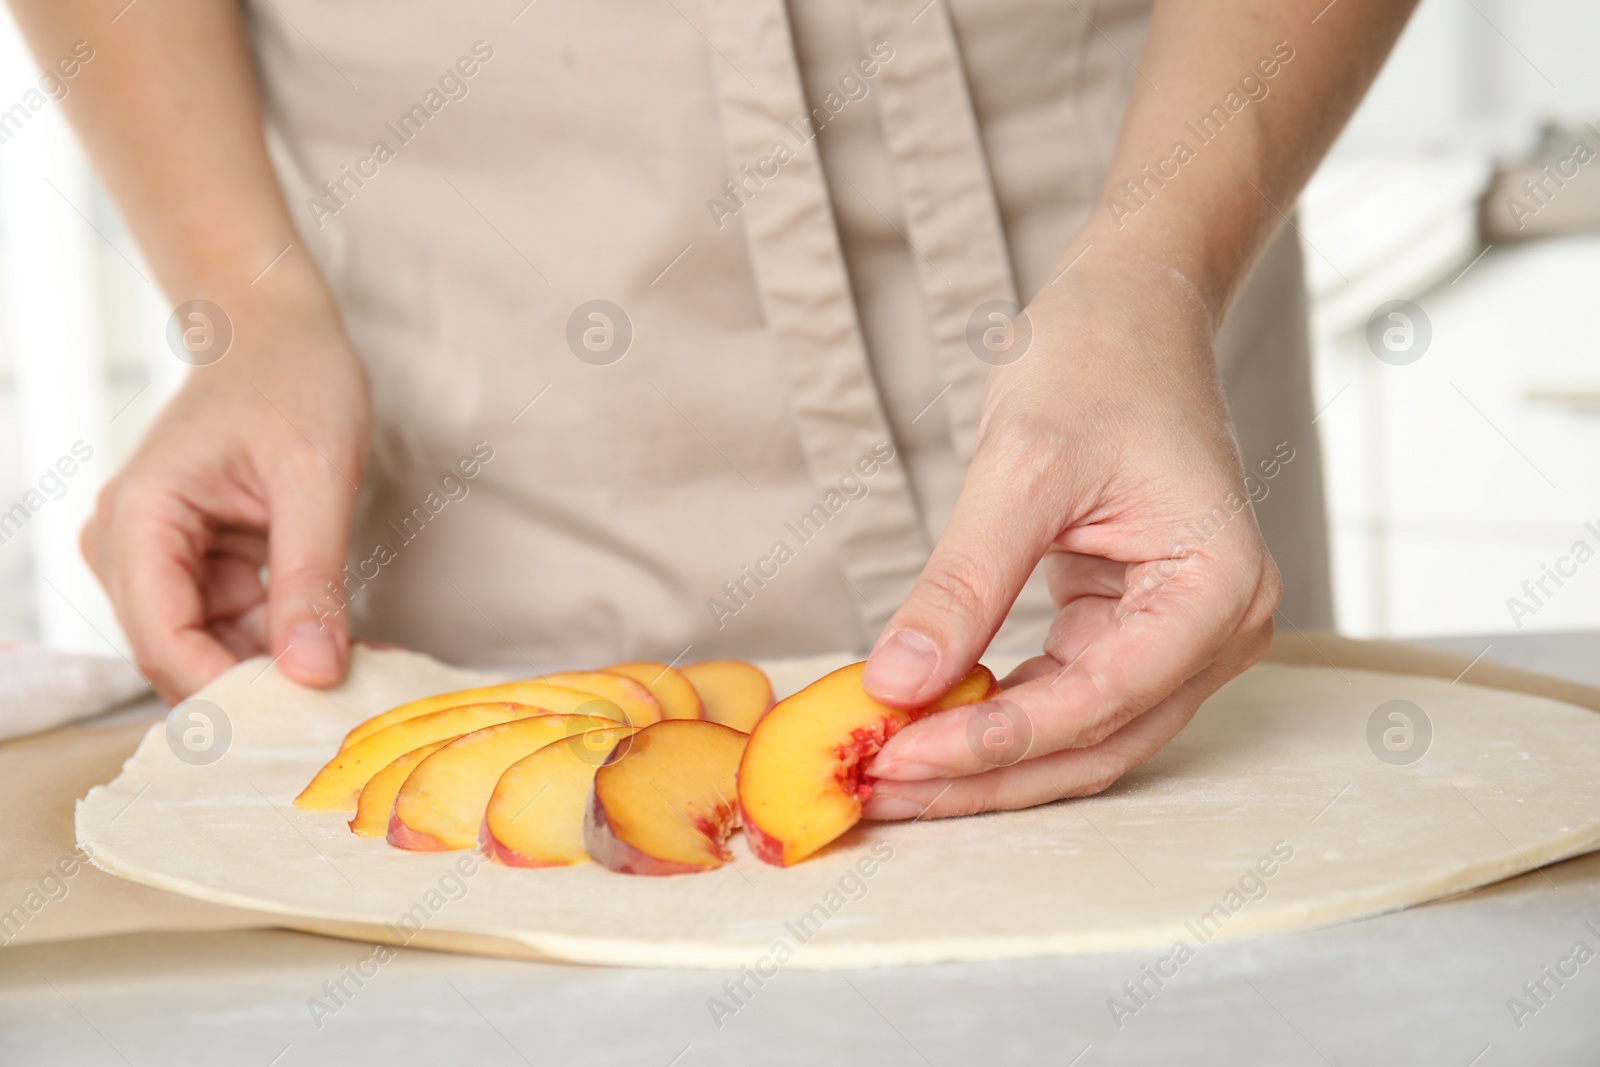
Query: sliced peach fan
[[662, 794]]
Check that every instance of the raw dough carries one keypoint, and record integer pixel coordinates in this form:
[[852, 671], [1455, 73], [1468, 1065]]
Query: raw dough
[[1274, 774]]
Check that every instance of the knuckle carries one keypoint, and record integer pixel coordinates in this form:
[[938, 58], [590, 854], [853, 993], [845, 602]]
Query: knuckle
[[958, 585], [1030, 451], [89, 547], [1110, 707], [299, 464], [1102, 775], [984, 793], [1097, 731], [301, 575], [1086, 773], [1268, 595], [1027, 442]]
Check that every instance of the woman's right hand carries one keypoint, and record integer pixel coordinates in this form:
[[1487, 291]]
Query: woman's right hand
[[217, 538]]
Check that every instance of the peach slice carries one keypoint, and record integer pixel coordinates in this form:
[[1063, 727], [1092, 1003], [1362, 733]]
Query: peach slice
[[639, 706], [337, 787], [666, 802], [441, 804], [377, 796], [735, 693], [551, 787], [678, 697], [535, 692], [800, 783]]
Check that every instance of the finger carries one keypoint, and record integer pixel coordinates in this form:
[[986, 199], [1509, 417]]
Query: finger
[[230, 585], [1008, 513], [150, 561], [1029, 669], [1070, 575], [1073, 772], [311, 506], [1132, 664], [245, 635], [245, 542]]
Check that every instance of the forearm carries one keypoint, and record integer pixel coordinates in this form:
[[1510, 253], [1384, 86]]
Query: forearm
[[170, 113], [1235, 103]]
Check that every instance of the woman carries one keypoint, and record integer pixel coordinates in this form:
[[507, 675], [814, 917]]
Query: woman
[[682, 329]]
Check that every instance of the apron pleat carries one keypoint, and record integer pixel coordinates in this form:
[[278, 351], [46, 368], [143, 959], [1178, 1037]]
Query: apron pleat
[[959, 247], [794, 250]]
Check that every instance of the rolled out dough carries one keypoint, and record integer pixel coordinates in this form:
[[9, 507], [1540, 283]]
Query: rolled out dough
[[1270, 812]]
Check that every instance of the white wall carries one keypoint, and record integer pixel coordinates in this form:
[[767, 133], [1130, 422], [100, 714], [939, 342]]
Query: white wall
[[81, 330], [1449, 487]]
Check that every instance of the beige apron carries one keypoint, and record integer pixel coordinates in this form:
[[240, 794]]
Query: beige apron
[[796, 208]]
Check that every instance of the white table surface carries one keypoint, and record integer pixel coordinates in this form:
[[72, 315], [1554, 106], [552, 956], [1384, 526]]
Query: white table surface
[[1425, 986]]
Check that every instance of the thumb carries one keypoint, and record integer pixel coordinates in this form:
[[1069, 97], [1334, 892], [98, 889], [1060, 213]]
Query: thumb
[[1004, 520], [307, 624]]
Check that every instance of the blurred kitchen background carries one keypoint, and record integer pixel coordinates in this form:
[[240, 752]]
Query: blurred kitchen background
[[1454, 476]]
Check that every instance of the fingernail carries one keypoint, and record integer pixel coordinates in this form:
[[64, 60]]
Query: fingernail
[[900, 667], [905, 772], [314, 654], [891, 809]]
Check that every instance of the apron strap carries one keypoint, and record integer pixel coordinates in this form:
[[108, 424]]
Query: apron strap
[[799, 270], [959, 247]]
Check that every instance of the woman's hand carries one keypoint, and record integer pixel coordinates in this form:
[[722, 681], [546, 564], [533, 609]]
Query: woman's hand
[[1106, 452], [254, 464]]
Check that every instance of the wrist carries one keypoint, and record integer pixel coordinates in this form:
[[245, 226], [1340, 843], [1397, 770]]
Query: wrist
[[1106, 277], [279, 294], [1162, 264]]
